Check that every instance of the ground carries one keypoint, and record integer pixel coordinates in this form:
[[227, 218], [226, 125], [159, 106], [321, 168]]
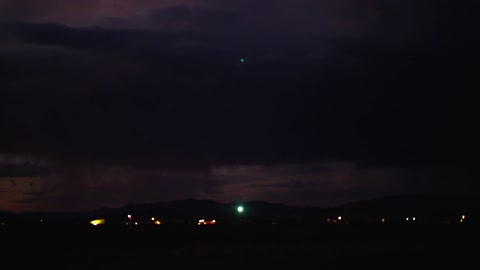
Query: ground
[[322, 247]]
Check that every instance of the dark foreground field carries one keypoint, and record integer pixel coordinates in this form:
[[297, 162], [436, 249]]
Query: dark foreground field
[[320, 247]]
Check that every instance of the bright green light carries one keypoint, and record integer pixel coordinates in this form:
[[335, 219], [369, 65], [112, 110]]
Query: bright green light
[[240, 209], [242, 60]]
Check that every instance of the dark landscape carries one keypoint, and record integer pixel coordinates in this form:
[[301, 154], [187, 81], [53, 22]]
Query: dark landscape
[[244, 241], [246, 134], [237, 246]]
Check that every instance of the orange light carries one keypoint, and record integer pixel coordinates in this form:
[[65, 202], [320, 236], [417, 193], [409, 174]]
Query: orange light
[[206, 222]]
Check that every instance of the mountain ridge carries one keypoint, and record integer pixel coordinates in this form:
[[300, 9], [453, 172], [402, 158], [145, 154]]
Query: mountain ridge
[[399, 206]]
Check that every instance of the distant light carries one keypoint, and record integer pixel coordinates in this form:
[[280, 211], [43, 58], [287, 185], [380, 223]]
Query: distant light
[[157, 222], [413, 218], [206, 222], [153, 218], [240, 209], [406, 219], [242, 60], [129, 216], [97, 222], [339, 218], [136, 223], [383, 219]]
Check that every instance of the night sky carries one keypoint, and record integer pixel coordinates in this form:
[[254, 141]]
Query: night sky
[[301, 102]]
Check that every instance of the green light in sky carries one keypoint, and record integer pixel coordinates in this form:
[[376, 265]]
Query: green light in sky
[[242, 60], [240, 209]]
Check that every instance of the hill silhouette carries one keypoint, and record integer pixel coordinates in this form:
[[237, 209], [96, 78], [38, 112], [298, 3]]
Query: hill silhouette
[[421, 208]]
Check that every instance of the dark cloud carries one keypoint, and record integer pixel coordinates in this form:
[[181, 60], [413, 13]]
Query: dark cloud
[[9, 171], [368, 97], [48, 10], [25, 9], [98, 185]]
